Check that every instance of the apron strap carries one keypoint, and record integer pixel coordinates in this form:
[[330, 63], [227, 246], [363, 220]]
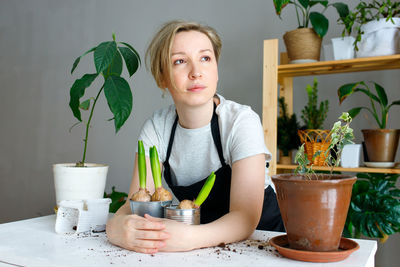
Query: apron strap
[[217, 136]]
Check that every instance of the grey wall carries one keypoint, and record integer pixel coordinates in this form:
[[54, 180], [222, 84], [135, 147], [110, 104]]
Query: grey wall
[[40, 40]]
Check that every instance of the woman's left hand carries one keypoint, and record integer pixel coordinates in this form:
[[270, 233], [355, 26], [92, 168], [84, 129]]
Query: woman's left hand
[[180, 234]]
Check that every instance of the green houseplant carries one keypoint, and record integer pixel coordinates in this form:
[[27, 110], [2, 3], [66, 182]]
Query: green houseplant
[[371, 17], [313, 116], [305, 221], [304, 43], [375, 207], [381, 144], [287, 133], [83, 180]]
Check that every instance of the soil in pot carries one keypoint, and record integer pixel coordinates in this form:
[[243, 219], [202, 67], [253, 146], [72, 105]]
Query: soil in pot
[[314, 211]]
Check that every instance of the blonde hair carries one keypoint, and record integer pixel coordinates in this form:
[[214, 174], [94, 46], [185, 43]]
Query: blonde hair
[[158, 54]]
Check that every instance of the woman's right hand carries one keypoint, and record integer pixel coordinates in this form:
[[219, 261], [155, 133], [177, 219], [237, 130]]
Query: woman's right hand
[[136, 233]]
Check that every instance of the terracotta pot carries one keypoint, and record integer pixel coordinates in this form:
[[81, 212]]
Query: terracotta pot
[[302, 45], [314, 211], [381, 144]]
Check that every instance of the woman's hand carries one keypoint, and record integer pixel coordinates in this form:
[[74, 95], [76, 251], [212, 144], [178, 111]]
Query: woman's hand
[[136, 233], [181, 238]]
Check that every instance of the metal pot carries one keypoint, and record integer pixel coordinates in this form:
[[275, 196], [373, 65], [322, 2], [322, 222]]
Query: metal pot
[[153, 208], [188, 216]]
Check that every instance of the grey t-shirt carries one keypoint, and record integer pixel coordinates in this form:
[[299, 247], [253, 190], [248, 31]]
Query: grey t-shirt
[[194, 155]]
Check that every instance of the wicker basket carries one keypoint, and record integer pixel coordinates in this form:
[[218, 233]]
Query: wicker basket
[[302, 44], [314, 140]]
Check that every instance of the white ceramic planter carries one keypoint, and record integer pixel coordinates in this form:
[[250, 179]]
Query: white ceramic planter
[[343, 47], [380, 38], [75, 183], [351, 156]]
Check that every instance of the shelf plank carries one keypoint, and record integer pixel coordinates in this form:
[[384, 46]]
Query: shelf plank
[[340, 66], [360, 169]]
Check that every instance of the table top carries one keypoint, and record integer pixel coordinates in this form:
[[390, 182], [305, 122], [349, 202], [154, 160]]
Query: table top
[[34, 242]]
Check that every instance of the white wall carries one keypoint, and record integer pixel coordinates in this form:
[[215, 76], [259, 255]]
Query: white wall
[[40, 39]]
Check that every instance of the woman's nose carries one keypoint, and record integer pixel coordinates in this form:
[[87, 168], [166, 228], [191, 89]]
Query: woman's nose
[[195, 72]]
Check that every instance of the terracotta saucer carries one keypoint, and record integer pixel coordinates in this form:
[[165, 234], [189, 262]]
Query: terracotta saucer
[[346, 247]]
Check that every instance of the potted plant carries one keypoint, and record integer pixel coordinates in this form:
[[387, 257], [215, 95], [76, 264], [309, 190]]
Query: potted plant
[[314, 206], [381, 144], [84, 180], [313, 117], [375, 207], [287, 133], [343, 47], [304, 43], [376, 24]]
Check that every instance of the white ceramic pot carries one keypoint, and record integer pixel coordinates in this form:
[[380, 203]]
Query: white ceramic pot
[[351, 156], [75, 183], [380, 38], [343, 47]]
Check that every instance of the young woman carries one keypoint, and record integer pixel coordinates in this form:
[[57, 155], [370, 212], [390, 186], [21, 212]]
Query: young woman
[[202, 132]]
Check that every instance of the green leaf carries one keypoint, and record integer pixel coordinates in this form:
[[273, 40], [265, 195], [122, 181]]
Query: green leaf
[[354, 111], [117, 199], [397, 102], [320, 23], [142, 164], [205, 190], [119, 99], [79, 59], [279, 5], [85, 104], [322, 2], [116, 66], [104, 54], [77, 91], [342, 9], [155, 167], [131, 60], [304, 3], [395, 192], [346, 90], [381, 94], [133, 50]]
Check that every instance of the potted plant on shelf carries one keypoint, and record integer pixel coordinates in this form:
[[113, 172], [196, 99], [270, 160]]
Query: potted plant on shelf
[[307, 199], [381, 144], [287, 133], [377, 25], [84, 180], [375, 207], [313, 117], [304, 43], [343, 47]]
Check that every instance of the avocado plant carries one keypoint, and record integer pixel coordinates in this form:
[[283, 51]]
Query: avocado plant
[[108, 63]]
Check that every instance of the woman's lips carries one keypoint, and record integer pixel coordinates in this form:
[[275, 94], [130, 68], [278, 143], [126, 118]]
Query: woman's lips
[[196, 88]]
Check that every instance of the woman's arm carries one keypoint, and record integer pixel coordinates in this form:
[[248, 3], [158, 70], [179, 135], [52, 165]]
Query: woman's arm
[[134, 232], [246, 200]]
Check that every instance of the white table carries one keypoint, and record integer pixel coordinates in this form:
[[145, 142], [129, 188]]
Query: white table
[[34, 242]]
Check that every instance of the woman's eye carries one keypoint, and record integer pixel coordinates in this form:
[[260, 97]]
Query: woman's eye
[[178, 61], [205, 58]]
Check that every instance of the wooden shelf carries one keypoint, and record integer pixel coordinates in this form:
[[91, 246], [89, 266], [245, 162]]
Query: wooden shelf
[[340, 169], [274, 74], [340, 66]]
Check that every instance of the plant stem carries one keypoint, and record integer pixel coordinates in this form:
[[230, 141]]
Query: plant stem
[[88, 126]]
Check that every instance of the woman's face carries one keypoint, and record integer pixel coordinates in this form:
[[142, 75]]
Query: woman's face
[[194, 69]]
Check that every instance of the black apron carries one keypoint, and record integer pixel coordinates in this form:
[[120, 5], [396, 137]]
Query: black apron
[[217, 203]]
